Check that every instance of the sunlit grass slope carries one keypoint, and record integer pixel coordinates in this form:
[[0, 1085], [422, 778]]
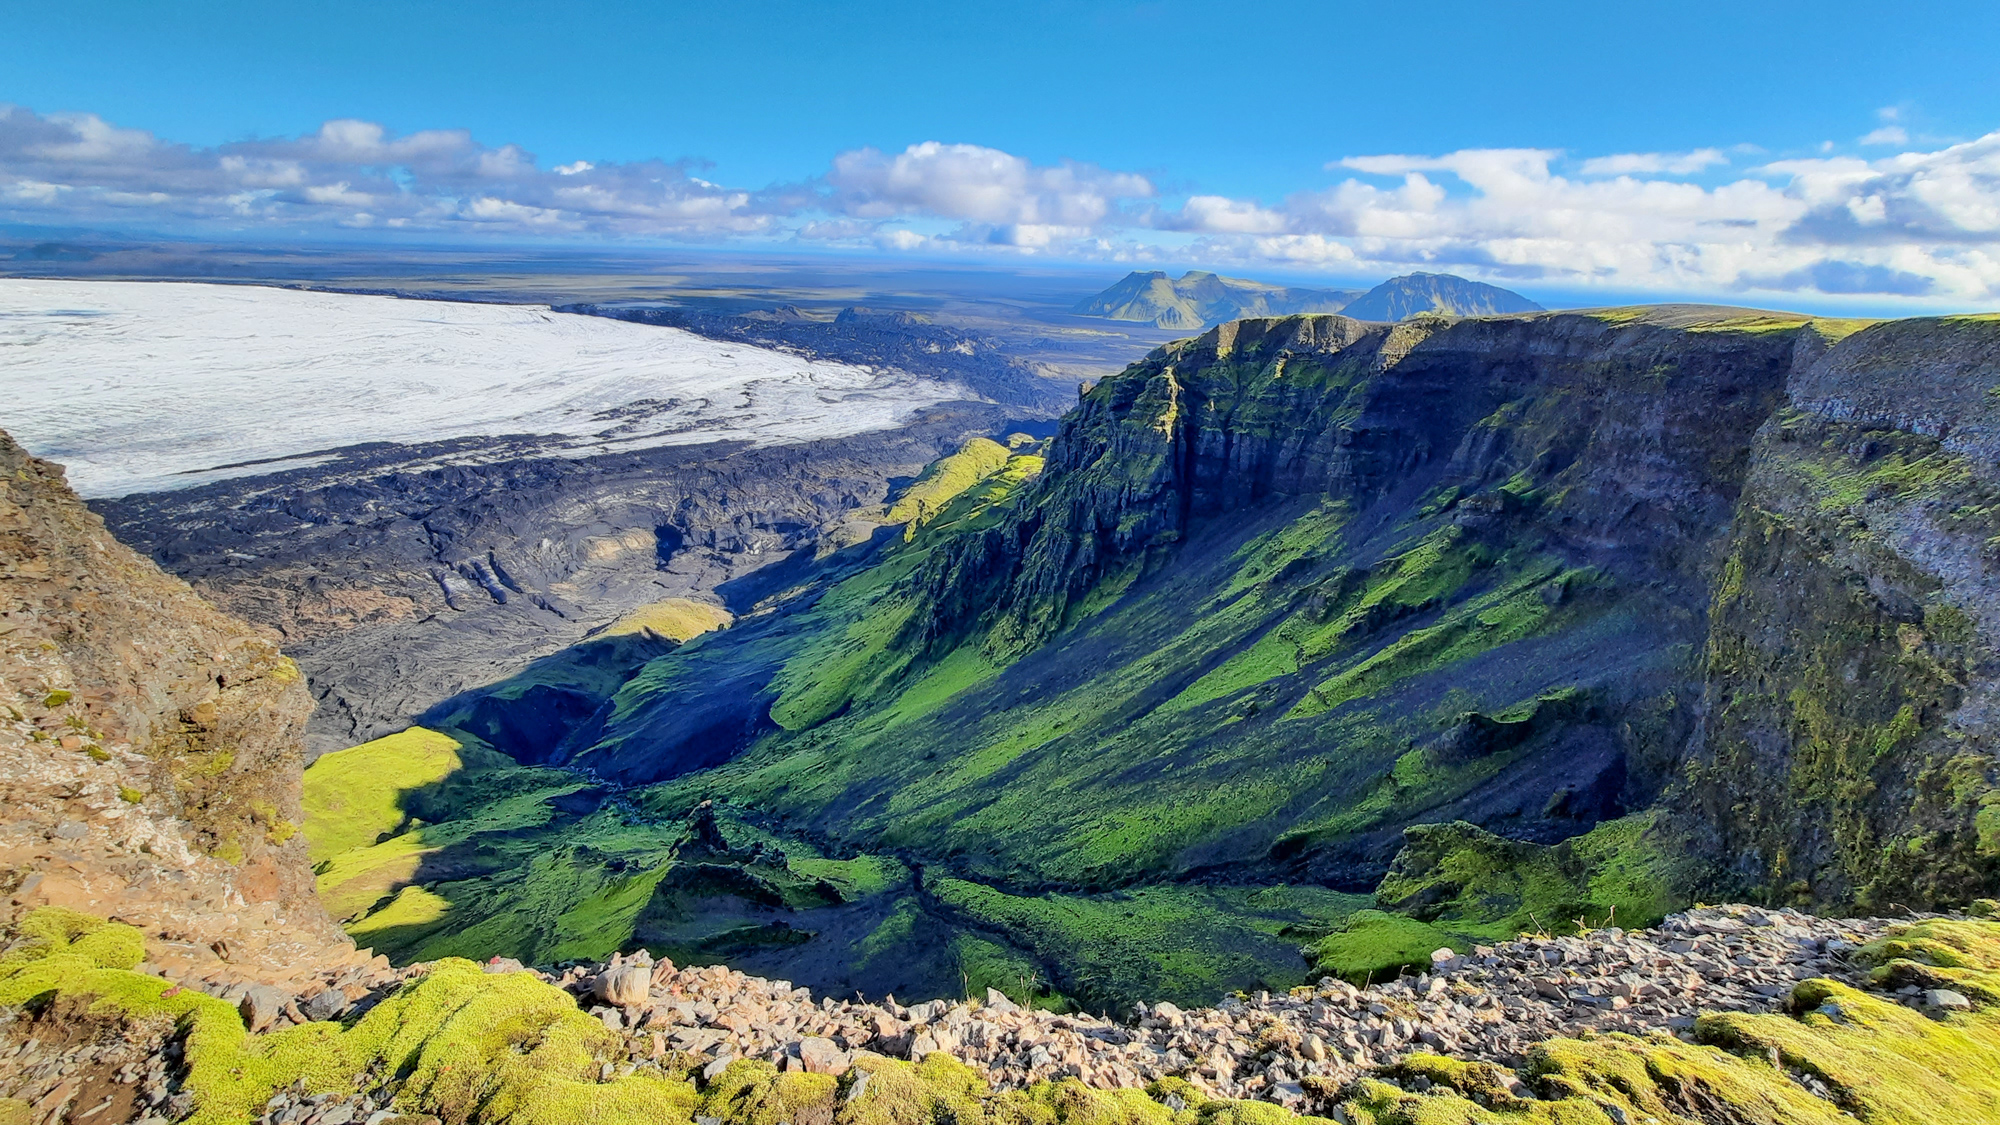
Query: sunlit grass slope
[[1270, 599], [676, 619], [354, 797]]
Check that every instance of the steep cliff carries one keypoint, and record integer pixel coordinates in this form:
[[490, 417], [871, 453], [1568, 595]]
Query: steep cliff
[[1268, 598], [149, 745], [1848, 755]]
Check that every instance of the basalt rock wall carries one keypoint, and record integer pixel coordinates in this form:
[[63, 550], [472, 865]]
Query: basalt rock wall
[[1637, 430], [1848, 753]]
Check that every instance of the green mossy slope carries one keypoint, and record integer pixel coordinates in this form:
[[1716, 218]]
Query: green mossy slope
[[1269, 598]]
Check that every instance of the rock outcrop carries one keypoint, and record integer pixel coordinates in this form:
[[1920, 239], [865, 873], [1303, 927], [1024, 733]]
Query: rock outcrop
[[1639, 428], [149, 747], [1848, 752]]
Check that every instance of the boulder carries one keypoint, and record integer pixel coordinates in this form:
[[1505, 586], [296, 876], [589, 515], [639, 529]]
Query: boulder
[[626, 986], [325, 1004], [820, 1055], [859, 1088], [1944, 999], [261, 1006]]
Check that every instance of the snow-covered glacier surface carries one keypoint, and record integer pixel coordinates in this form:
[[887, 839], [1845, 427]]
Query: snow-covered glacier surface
[[143, 386]]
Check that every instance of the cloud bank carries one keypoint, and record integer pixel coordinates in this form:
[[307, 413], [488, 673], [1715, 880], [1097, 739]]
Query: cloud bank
[[1920, 225]]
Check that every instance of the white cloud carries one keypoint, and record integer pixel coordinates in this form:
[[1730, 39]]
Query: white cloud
[[1913, 224], [899, 238], [349, 173], [337, 194], [1655, 163], [1219, 214], [978, 185], [1887, 135], [487, 209], [31, 191], [85, 137]]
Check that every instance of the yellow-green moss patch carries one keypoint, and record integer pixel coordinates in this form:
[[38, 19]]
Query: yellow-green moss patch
[[677, 619], [946, 478], [354, 797]]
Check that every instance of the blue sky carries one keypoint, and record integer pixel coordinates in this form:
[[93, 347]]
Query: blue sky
[[1320, 139]]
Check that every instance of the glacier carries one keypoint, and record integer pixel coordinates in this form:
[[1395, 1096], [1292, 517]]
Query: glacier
[[142, 386]]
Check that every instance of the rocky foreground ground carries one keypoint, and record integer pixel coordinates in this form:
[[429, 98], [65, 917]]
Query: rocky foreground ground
[[1492, 1004]]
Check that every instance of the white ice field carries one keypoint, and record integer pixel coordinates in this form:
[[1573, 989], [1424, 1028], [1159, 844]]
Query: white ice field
[[143, 386]]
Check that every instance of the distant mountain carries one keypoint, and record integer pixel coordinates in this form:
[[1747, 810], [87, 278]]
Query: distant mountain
[[1400, 298], [1200, 299]]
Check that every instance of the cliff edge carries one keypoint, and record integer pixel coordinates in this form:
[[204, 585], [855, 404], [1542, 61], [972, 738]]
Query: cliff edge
[[149, 747]]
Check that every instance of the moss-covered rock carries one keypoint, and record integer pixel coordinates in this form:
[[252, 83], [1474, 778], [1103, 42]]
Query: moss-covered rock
[[1375, 946], [1851, 628], [468, 1045], [1469, 881], [1962, 956]]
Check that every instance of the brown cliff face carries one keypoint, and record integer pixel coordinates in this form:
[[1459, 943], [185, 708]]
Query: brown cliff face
[[149, 746]]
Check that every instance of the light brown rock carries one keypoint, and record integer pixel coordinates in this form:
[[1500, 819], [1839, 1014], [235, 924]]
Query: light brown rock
[[822, 1056]]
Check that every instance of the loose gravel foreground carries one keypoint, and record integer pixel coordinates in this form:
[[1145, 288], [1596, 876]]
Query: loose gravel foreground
[[1492, 1004]]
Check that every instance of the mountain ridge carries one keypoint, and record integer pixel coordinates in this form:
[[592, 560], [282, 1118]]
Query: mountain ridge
[[1400, 298], [1200, 299]]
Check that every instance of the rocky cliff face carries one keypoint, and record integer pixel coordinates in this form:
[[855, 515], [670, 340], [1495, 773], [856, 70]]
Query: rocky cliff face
[[1848, 753], [1269, 599], [1635, 432], [149, 745]]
